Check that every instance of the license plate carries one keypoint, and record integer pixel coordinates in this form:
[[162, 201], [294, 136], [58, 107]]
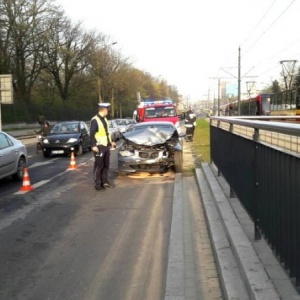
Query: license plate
[[150, 161], [57, 151]]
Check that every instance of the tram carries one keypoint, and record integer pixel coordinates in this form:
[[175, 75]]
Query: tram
[[286, 103]]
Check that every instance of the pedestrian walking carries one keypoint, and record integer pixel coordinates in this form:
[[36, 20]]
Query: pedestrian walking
[[190, 124], [44, 131], [101, 144], [41, 119]]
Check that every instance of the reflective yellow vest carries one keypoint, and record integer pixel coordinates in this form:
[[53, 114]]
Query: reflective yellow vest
[[100, 135]]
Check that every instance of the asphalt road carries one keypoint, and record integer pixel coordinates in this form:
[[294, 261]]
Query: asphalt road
[[65, 240]]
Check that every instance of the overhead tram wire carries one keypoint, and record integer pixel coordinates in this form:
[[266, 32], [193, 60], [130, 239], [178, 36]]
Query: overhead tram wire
[[257, 24], [272, 24], [263, 61], [266, 31], [261, 19]]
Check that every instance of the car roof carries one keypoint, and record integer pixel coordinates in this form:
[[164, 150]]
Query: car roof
[[68, 122]]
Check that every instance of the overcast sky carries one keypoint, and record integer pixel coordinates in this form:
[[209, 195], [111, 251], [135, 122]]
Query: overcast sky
[[191, 43]]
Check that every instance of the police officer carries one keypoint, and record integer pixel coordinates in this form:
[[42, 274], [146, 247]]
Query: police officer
[[101, 144]]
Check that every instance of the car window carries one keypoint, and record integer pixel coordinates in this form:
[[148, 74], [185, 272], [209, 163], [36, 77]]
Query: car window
[[83, 128], [4, 141], [65, 128]]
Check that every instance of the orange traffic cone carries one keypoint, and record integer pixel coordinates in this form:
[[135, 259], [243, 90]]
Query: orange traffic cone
[[26, 182], [72, 165]]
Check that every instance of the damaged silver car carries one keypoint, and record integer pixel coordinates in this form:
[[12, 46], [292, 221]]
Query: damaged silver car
[[151, 147]]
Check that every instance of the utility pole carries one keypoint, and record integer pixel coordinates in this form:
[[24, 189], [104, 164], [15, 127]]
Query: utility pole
[[288, 67], [239, 82], [219, 98]]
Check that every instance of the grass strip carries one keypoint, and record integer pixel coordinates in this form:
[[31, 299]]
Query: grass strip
[[201, 143]]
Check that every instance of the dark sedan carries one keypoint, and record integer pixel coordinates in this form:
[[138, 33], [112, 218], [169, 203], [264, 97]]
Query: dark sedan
[[67, 137]]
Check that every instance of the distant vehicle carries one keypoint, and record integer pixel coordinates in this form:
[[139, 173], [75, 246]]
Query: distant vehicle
[[157, 110], [131, 123], [67, 137], [150, 147], [13, 157], [256, 105], [122, 124], [113, 130]]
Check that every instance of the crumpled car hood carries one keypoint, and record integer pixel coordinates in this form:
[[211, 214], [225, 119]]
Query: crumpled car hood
[[149, 136]]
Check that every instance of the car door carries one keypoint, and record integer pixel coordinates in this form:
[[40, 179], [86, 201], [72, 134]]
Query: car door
[[85, 135], [7, 156]]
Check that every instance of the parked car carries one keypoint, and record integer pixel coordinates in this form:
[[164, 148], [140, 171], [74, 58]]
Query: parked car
[[113, 130], [131, 123], [67, 137], [151, 147], [13, 157], [122, 124]]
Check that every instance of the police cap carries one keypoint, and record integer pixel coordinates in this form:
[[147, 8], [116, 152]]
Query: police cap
[[103, 105]]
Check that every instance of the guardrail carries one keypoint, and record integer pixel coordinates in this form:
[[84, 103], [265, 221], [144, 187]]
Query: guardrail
[[264, 177]]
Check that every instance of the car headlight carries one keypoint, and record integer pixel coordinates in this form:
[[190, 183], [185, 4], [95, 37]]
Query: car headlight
[[125, 153], [72, 140], [45, 141]]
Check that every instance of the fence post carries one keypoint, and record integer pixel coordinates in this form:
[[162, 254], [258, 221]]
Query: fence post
[[255, 185]]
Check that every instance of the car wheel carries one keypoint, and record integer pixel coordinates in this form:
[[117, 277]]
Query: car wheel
[[20, 170], [46, 154], [178, 161], [80, 150]]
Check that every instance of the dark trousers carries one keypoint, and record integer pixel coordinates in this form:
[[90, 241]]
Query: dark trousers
[[190, 132], [101, 165]]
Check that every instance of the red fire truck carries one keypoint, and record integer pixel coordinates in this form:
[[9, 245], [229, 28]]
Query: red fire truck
[[157, 110]]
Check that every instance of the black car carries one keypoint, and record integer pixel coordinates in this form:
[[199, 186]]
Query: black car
[[151, 147], [67, 137]]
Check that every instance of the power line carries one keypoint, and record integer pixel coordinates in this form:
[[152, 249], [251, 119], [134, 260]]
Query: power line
[[261, 19], [272, 24]]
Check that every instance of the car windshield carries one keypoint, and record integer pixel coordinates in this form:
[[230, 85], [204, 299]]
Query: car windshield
[[158, 112], [65, 128]]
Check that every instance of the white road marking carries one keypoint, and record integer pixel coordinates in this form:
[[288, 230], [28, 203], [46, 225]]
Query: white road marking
[[41, 183], [37, 164]]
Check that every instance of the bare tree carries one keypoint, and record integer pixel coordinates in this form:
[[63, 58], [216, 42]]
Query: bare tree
[[22, 41], [68, 52]]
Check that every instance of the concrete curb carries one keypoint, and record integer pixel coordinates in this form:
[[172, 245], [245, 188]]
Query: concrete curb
[[254, 276], [175, 268]]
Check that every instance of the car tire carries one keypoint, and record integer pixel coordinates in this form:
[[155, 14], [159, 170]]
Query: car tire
[[80, 150], [20, 171], [46, 154], [178, 161]]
